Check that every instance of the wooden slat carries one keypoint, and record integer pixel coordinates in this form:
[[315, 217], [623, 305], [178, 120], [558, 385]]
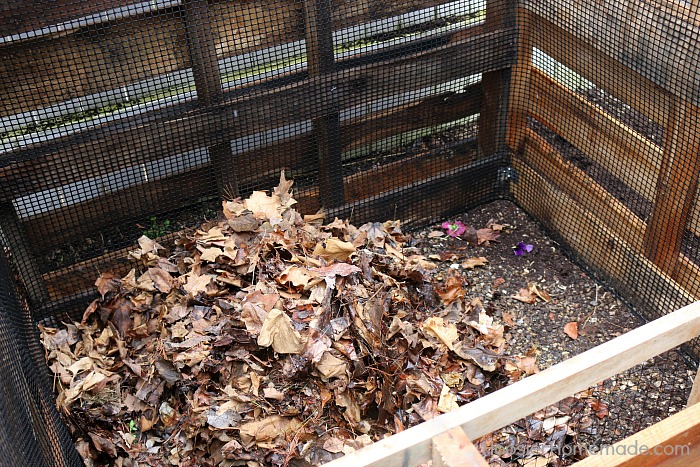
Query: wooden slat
[[602, 70], [80, 278], [513, 402], [133, 204], [389, 177], [453, 448], [25, 15], [676, 188], [674, 441], [519, 99], [694, 397], [658, 45], [613, 214], [120, 145], [597, 245], [615, 147], [14, 238], [296, 154]]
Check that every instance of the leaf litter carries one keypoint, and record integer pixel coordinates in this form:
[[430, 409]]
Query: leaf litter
[[268, 337]]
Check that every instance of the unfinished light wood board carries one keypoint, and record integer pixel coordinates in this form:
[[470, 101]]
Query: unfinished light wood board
[[453, 448], [414, 445], [157, 135], [613, 214], [657, 44], [672, 442]]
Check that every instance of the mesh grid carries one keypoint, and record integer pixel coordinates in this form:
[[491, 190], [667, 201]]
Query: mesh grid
[[122, 118]]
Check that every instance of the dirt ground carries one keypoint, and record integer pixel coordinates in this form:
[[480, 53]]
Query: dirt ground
[[631, 401]]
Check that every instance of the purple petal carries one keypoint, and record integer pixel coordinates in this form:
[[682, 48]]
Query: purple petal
[[517, 252], [528, 248]]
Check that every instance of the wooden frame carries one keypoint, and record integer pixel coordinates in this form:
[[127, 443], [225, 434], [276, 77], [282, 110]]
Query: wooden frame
[[417, 444]]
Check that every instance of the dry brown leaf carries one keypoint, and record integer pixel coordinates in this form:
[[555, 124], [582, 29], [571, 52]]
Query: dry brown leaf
[[543, 295], [269, 431], [437, 327], [199, 284], [278, 331], [331, 366], [447, 401], [525, 296], [471, 263], [453, 290], [334, 248], [571, 329], [273, 393], [263, 206], [210, 254], [106, 283], [485, 236]]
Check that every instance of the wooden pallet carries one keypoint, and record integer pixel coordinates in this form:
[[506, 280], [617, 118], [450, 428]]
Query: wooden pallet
[[445, 440]]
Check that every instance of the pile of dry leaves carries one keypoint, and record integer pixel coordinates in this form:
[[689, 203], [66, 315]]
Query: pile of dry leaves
[[268, 337]]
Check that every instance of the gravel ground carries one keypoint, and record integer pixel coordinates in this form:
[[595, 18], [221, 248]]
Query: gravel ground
[[633, 400]]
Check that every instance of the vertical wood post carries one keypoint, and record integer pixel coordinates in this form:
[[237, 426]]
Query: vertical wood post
[[694, 397], [320, 60], [676, 188], [205, 67], [493, 119], [26, 264], [519, 95]]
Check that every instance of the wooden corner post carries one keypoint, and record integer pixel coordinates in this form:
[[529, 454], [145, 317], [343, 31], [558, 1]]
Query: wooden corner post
[[519, 96], [676, 187], [496, 84], [205, 67], [320, 59]]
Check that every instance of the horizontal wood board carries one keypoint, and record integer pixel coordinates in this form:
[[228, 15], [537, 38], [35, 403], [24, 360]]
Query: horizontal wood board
[[154, 136]]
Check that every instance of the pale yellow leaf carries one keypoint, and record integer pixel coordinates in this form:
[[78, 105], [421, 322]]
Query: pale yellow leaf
[[334, 248], [437, 327], [277, 331]]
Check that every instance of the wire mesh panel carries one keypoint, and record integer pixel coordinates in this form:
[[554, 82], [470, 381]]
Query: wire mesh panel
[[607, 142], [122, 119]]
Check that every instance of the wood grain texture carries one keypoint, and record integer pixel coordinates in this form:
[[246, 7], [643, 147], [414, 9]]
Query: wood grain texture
[[604, 71], [674, 441], [676, 188], [597, 245], [453, 448], [621, 151], [694, 397], [162, 133], [496, 84], [519, 99], [496, 410], [658, 44], [296, 155]]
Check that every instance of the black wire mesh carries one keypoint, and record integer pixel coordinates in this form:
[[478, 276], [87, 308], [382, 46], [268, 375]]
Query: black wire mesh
[[122, 118]]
